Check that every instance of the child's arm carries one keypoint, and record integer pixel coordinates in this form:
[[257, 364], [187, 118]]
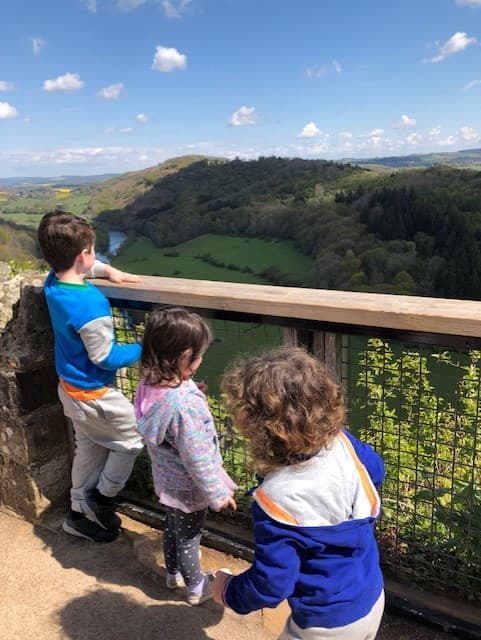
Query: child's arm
[[99, 340], [103, 270], [273, 574], [95, 326], [369, 458]]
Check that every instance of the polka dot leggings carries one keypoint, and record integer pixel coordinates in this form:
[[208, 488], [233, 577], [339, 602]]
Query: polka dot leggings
[[182, 533]]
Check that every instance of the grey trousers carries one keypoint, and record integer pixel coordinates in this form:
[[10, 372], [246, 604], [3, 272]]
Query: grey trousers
[[106, 444], [364, 629]]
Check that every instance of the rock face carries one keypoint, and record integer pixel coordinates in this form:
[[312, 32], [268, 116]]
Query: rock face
[[34, 434]]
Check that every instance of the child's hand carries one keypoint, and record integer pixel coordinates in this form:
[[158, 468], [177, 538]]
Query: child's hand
[[221, 577], [115, 275], [230, 502]]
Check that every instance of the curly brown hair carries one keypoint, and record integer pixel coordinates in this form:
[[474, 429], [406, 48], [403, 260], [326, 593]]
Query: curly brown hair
[[286, 406]]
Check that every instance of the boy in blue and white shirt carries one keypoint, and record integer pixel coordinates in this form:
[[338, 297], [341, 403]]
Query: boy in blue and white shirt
[[86, 359], [315, 509]]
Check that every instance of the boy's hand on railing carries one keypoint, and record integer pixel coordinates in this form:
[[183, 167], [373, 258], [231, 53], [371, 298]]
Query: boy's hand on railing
[[222, 578], [118, 276]]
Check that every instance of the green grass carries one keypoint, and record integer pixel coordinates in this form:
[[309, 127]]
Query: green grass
[[24, 219], [143, 257], [29, 207], [231, 338]]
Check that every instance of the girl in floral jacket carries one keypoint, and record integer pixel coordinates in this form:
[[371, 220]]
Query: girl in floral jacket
[[178, 430]]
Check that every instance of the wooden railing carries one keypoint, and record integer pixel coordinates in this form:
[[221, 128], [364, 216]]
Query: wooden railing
[[402, 314]]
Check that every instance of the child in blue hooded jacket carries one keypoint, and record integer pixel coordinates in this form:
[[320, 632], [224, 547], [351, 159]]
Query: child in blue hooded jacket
[[315, 509]]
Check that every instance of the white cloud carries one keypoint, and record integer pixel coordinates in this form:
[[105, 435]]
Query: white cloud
[[345, 135], [471, 85], [309, 131], [474, 4], [375, 133], [112, 92], [68, 82], [320, 147], [172, 8], [447, 142], [168, 59], [142, 118], [434, 132], [7, 112], [414, 139], [91, 5], [336, 66], [127, 5], [405, 121], [469, 134], [456, 43], [6, 86], [319, 71], [175, 8], [244, 116], [126, 130], [37, 45], [84, 159]]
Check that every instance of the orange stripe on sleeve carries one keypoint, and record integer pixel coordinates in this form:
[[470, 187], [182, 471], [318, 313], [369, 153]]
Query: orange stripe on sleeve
[[365, 480], [272, 509]]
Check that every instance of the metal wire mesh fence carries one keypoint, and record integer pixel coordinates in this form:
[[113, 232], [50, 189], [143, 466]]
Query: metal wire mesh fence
[[418, 405]]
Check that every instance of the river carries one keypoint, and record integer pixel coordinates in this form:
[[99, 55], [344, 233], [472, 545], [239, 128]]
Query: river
[[116, 239]]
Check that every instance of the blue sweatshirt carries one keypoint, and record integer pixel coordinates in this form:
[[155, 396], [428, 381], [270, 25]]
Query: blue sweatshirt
[[86, 353], [314, 538]]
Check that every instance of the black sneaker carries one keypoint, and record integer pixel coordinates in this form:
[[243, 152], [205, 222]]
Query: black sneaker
[[82, 527], [101, 510]]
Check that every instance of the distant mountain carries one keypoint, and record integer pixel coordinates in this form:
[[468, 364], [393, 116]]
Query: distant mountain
[[468, 158], [65, 181]]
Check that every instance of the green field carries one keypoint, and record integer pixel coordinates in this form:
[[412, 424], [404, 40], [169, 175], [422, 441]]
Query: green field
[[27, 206], [231, 338], [143, 257], [24, 219]]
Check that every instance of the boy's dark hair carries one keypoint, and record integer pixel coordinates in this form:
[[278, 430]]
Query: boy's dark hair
[[285, 404], [168, 334], [62, 237]]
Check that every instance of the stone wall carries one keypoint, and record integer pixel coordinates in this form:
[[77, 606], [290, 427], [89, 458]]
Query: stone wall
[[34, 435]]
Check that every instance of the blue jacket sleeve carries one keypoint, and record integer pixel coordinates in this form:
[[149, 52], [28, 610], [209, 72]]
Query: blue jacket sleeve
[[274, 571], [103, 350], [121, 355], [369, 458]]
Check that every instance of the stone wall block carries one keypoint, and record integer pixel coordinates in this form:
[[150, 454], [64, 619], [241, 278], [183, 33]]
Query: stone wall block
[[26, 342], [34, 435]]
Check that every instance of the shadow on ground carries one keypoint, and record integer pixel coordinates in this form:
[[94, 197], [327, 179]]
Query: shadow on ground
[[84, 619]]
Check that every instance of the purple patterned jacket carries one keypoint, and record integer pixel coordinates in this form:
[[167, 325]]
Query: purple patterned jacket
[[179, 433]]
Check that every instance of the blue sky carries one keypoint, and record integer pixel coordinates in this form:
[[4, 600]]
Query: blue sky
[[107, 86]]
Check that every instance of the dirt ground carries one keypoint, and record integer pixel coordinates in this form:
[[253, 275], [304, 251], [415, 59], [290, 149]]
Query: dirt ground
[[55, 587]]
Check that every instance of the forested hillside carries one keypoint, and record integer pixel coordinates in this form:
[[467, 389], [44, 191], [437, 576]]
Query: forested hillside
[[412, 231], [17, 243]]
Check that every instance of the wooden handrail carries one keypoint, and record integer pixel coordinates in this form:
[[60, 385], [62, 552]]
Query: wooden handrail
[[401, 313]]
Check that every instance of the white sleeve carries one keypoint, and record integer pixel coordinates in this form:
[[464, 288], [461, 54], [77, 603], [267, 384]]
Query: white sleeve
[[97, 270]]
